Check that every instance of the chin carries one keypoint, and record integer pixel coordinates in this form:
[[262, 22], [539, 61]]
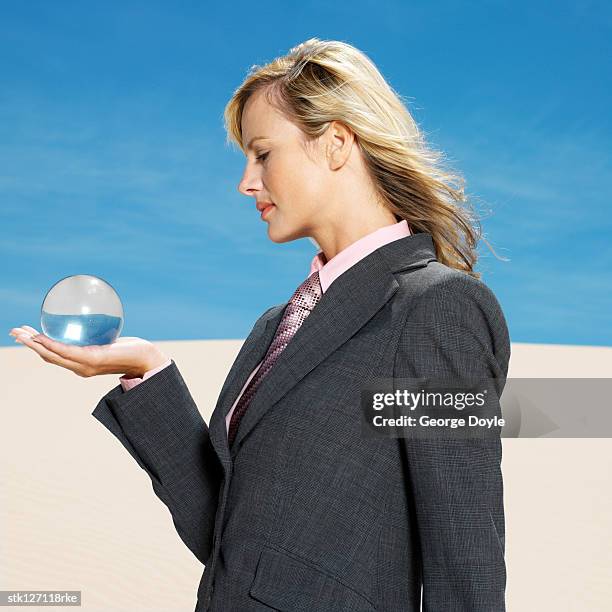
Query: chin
[[279, 235]]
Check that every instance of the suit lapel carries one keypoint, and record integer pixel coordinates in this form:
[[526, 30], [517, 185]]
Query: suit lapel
[[251, 353], [349, 303]]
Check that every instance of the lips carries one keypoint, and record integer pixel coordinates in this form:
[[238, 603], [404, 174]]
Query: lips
[[267, 209], [263, 205]]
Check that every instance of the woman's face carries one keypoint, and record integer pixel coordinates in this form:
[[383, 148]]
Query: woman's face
[[279, 170]]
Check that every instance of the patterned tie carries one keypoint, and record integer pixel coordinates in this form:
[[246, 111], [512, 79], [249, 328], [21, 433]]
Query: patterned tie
[[305, 298]]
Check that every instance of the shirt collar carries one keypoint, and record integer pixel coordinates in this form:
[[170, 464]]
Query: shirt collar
[[330, 270]]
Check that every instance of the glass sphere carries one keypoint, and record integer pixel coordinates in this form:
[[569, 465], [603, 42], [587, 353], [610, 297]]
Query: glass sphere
[[82, 310]]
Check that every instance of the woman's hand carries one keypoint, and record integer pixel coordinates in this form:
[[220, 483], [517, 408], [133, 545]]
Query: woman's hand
[[130, 355]]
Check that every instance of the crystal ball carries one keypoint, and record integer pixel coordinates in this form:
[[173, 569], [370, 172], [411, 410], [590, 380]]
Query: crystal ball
[[82, 310]]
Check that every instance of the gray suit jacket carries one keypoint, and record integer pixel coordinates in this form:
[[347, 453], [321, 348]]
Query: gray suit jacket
[[304, 513]]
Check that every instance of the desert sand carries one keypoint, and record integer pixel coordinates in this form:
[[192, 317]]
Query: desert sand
[[77, 513]]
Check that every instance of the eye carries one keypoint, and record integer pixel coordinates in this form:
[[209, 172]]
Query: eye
[[262, 157]]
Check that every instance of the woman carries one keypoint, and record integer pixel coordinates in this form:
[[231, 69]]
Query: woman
[[282, 498]]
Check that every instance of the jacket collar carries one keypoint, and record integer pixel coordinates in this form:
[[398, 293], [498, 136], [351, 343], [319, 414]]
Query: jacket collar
[[351, 300]]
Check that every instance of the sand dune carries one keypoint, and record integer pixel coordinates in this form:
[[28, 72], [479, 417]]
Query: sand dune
[[77, 513]]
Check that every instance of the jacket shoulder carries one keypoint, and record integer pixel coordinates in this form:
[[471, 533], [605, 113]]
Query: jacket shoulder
[[452, 302], [438, 282]]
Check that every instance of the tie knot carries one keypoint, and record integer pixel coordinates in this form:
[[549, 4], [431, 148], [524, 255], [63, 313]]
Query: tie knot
[[308, 294]]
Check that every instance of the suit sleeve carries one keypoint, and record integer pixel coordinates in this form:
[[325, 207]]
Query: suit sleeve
[[160, 425], [457, 331], [130, 383]]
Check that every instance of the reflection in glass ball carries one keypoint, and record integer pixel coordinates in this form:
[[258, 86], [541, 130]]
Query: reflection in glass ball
[[82, 310]]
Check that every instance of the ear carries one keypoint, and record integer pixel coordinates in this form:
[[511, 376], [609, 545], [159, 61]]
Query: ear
[[340, 140]]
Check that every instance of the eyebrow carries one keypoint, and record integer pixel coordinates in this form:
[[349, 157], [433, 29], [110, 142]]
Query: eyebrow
[[250, 144]]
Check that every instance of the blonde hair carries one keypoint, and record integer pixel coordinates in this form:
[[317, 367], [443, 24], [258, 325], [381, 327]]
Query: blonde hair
[[320, 81]]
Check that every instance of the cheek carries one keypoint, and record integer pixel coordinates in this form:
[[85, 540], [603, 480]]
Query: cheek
[[306, 183], [296, 183]]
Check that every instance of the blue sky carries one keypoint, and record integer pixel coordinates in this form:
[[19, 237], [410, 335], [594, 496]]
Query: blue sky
[[113, 158]]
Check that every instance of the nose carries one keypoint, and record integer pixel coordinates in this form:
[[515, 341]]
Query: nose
[[250, 182]]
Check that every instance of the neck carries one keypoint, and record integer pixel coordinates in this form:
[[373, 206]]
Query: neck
[[337, 236]]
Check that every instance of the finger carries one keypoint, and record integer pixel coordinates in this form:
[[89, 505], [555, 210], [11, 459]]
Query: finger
[[52, 357], [78, 354], [30, 329], [16, 331]]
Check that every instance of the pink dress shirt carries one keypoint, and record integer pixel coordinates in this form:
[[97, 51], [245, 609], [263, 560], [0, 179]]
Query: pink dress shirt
[[329, 271]]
